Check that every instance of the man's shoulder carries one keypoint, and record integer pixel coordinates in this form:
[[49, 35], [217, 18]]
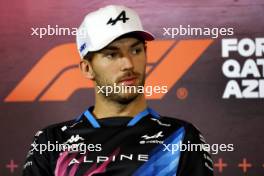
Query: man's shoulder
[[56, 128], [177, 122], [60, 124], [192, 133]]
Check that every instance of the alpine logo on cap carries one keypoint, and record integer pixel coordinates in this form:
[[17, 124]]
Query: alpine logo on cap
[[120, 17]]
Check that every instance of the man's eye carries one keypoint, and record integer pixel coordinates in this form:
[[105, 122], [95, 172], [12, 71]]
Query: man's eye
[[111, 55], [136, 50]]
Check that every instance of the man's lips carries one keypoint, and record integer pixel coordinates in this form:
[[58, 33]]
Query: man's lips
[[128, 80]]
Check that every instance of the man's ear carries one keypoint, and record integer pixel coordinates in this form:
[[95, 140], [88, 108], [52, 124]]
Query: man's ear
[[86, 68]]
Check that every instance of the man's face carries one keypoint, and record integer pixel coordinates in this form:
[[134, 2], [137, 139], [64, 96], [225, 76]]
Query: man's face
[[122, 62]]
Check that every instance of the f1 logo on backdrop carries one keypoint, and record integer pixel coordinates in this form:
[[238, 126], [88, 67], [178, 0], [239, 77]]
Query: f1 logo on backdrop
[[57, 76]]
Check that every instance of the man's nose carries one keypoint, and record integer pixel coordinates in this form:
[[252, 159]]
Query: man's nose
[[127, 63]]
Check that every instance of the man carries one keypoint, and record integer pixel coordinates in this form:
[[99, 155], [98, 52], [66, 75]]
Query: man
[[120, 135]]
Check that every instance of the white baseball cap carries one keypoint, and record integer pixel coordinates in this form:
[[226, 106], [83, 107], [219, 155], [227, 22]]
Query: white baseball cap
[[101, 27]]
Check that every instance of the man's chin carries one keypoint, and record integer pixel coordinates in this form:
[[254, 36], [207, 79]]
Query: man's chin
[[125, 98]]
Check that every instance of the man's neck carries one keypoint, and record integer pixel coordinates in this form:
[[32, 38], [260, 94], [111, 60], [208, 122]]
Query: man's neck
[[104, 108]]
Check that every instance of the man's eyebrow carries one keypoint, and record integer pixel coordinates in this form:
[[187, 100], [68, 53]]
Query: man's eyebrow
[[111, 48], [136, 43]]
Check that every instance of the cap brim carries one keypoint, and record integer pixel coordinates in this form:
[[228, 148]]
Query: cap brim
[[145, 35], [142, 34]]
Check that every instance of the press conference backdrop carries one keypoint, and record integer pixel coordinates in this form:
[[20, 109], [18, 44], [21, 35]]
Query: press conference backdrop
[[215, 82]]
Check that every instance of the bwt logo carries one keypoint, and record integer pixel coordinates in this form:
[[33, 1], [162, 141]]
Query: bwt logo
[[57, 76]]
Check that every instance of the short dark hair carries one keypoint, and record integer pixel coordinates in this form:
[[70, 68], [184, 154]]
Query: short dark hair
[[89, 55]]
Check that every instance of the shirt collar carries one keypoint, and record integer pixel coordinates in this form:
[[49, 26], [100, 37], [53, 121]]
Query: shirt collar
[[89, 116]]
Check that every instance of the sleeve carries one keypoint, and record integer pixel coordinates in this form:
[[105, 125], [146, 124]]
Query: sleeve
[[37, 162], [195, 161]]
